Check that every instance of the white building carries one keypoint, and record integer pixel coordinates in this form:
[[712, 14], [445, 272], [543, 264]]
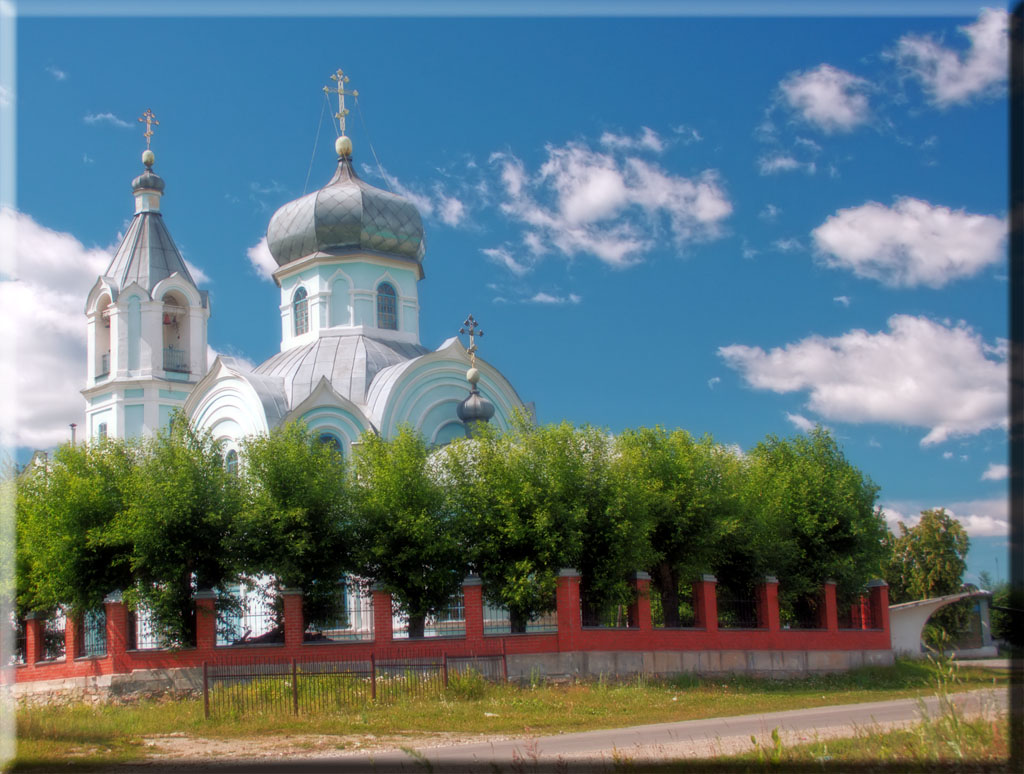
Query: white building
[[350, 257]]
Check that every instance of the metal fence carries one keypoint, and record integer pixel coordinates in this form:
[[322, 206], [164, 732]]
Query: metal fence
[[801, 613], [92, 640], [53, 636], [687, 619], [355, 623], [497, 621], [450, 622], [856, 614], [250, 617], [143, 633], [736, 610], [311, 685], [19, 641], [607, 617], [175, 360]]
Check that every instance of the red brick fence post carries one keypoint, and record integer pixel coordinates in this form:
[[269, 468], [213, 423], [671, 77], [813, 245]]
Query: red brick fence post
[[117, 630], [705, 603], [567, 609], [206, 619], [473, 607], [383, 632], [879, 592], [294, 623], [768, 604], [640, 610]]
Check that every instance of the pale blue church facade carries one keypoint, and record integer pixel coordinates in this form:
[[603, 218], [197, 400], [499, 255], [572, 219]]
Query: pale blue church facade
[[349, 262]]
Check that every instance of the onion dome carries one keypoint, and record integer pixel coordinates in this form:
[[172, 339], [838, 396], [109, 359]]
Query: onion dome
[[148, 180], [346, 215], [475, 408]]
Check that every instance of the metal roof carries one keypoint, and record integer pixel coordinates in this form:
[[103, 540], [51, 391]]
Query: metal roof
[[346, 213], [348, 362], [147, 254]]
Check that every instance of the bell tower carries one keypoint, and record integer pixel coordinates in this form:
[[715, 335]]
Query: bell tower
[[145, 321]]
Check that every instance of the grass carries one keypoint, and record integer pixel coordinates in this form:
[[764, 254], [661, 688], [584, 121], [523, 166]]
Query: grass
[[104, 734]]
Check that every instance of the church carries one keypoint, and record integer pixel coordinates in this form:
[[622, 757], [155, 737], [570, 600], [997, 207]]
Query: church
[[349, 261]]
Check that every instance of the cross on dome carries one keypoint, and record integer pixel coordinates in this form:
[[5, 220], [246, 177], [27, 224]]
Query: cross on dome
[[150, 121], [341, 79], [470, 326]]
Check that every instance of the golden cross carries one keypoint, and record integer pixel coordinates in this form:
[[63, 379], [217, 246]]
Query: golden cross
[[151, 121], [341, 91], [470, 327]]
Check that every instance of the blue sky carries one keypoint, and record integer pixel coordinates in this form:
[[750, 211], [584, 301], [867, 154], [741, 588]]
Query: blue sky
[[734, 225]]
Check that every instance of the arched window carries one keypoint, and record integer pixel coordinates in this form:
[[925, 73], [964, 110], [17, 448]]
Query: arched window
[[231, 462], [300, 312], [330, 439], [387, 307]]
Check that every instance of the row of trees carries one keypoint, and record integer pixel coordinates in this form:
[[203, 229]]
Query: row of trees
[[162, 518]]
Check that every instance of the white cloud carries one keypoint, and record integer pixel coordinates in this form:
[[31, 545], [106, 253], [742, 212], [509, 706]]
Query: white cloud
[[446, 207], [951, 78], [199, 276], [770, 165], [911, 243], [687, 135], [43, 316], [261, 259], [920, 373], [58, 74], [996, 472], [789, 245], [947, 455], [770, 212], [6, 97], [844, 300], [87, 159], [800, 422], [648, 139], [830, 98], [503, 257], [584, 201], [979, 518], [714, 380], [450, 209], [106, 118], [547, 298]]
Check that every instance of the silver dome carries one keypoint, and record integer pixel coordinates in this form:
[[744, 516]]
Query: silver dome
[[346, 215]]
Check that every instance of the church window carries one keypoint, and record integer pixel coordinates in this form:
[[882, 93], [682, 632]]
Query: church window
[[387, 307], [300, 312], [231, 462], [330, 439]]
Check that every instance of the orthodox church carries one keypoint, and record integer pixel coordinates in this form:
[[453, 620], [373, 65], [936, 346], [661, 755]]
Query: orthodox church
[[350, 258]]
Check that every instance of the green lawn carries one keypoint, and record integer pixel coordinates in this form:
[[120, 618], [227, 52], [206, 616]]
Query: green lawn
[[103, 734]]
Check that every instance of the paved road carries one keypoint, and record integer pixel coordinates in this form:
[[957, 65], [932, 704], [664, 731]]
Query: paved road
[[599, 750]]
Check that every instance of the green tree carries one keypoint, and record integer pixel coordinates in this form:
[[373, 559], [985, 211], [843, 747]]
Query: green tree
[[535, 500], [685, 497], [296, 521], [812, 518], [929, 560], [182, 508], [408, 539], [68, 550]]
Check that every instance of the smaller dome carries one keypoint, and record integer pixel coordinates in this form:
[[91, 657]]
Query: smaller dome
[[475, 408], [149, 181]]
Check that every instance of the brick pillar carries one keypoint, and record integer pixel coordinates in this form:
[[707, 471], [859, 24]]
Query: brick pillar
[[768, 604], [117, 631], [705, 603], [294, 622], [34, 637], [640, 610], [206, 619], [865, 612], [567, 603], [383, 623], [828, 613], [473, 605], [879, 591], [72, 635]]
